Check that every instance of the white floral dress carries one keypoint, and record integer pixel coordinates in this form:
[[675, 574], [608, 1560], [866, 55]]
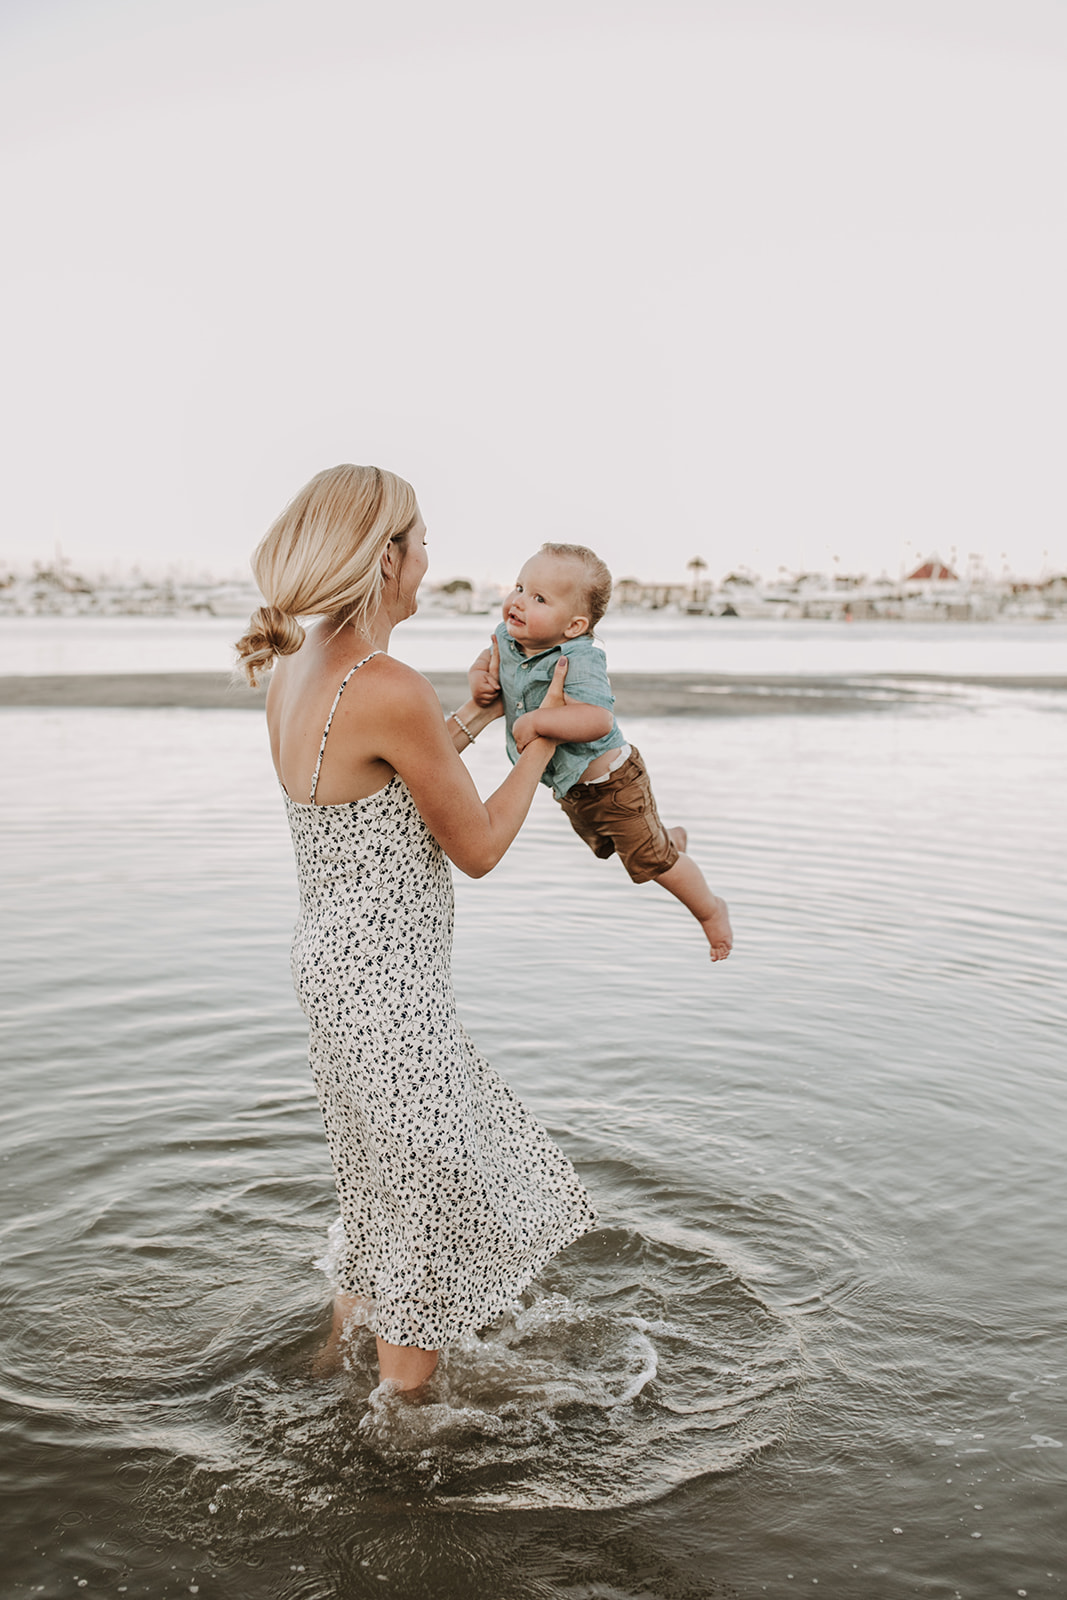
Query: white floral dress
[[452, 1196]]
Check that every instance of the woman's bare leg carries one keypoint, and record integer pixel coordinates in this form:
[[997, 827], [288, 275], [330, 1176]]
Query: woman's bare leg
[[405, 1364], [330, 1358]]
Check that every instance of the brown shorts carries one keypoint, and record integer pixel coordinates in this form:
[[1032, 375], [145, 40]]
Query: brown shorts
[[619, 816]]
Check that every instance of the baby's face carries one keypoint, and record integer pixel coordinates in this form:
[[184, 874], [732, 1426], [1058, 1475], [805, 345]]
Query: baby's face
[[543, 609]]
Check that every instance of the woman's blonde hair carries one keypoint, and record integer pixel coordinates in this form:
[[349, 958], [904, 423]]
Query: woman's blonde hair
[[323, 557]]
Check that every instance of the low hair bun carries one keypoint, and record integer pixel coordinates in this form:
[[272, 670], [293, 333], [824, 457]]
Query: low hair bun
[[271, 632]]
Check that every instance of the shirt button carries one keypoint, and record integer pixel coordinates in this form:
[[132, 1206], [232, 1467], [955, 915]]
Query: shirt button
[[519, 706]]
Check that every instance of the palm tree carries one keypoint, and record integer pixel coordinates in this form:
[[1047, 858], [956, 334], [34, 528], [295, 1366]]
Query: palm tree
[[698, 587]]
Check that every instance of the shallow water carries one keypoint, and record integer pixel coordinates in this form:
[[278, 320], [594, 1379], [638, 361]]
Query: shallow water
[[657, 642], [819, 1336]]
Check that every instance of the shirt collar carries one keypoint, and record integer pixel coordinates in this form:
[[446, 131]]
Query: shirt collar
[[521, 656]]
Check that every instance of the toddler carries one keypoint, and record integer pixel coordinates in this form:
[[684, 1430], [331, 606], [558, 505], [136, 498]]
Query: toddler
[[600, 781]]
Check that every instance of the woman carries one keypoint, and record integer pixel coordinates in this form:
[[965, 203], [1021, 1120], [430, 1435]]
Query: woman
[[452, 1197]]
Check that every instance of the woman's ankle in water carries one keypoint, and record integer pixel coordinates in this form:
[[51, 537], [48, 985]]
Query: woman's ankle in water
[[405, 1366]]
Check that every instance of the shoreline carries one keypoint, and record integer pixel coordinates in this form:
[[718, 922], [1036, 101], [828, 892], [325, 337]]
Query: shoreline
[[637, 694]]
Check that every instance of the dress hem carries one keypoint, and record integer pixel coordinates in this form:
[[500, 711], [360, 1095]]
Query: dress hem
[[450, 1331]]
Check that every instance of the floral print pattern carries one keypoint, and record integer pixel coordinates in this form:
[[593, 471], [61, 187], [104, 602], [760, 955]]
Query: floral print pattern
[[452, 1195]]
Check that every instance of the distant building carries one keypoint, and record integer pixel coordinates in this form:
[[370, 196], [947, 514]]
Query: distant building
[[455, 595], [932, 571], [630, 594]]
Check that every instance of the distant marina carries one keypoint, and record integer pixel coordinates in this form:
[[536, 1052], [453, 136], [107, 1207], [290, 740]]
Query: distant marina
[[931, 592]]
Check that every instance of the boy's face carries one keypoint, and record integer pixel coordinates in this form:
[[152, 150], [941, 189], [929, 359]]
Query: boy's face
[[543, 608]]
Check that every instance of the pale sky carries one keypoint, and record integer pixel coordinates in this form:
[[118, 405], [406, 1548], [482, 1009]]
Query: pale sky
[[763, 282]]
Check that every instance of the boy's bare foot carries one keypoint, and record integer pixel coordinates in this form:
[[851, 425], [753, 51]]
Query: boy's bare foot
[[717, 927], [686, 882]]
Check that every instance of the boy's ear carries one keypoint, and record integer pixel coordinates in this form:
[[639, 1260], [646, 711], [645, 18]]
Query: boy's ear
[[575, 627]]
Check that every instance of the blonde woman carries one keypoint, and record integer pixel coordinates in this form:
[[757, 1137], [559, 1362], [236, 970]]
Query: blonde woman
[[452, 1196]]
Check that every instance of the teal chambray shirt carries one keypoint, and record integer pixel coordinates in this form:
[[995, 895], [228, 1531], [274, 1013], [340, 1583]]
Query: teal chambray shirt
[[524, 682]]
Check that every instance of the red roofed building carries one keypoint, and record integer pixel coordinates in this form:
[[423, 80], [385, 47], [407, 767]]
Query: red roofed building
[[932, 570]]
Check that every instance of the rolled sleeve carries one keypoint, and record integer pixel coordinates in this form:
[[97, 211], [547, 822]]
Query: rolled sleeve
[[587, 675], [590, 690]]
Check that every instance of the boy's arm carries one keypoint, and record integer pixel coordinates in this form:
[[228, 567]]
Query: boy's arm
[[575, 722], [586, 714], [484, 675]]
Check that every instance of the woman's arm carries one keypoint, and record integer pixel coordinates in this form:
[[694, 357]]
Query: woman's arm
[[485, 704], [403, 722], [466, 724]]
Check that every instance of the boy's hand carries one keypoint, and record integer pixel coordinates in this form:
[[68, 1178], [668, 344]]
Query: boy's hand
[[484, 676], [525, 730]]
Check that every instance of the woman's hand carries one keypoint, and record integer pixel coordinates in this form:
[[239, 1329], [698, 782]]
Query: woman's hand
[[484, 676], [402, 724], [554, 696], [525, 730]]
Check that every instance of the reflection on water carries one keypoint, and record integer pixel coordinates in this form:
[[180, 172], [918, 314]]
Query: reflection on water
[[825, 1301]]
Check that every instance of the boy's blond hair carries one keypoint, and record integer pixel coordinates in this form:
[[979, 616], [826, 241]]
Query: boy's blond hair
[[596, 586]]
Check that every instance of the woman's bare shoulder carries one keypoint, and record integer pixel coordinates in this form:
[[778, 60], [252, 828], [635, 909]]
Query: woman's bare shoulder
[[395, 684]]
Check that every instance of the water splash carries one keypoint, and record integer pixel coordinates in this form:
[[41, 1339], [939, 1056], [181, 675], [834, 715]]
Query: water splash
[[572, 1398]]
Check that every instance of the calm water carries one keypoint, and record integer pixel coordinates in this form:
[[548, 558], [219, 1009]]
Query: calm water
[[647, 643], [819, 1340]]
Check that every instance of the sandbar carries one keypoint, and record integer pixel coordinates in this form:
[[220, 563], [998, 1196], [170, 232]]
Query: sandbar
[[637, 694]]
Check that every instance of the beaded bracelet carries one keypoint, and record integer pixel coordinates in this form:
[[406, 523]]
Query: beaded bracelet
[[463, 726]]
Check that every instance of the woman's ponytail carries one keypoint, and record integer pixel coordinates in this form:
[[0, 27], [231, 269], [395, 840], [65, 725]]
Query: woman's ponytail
[[270, 633]]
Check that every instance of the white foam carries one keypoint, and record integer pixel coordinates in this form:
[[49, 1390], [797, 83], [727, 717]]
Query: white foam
[[564, 1401], [549, 1352], [506, 1384], [330, 1258]]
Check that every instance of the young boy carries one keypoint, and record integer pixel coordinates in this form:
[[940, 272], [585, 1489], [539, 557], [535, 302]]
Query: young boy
[[600, 781]]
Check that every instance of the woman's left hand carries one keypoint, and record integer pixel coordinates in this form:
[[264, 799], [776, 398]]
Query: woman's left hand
[[554, 696], [525, 730]]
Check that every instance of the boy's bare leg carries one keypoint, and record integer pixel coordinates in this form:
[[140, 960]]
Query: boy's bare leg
[[686, 882]]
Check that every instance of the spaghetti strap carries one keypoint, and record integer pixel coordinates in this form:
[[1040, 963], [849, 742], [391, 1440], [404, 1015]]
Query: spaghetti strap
[[329, 719]]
